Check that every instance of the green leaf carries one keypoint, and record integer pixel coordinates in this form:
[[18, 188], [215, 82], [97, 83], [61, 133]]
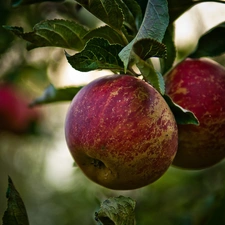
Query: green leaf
[[107, 11], [150, 74], [15, 213], [211, 43], [52, 95], [132, 14], [57, 33], [181, 115], [116, 13], [126, 53], [135, 11], [127, 36], [116, 211], [97, 54], [155, 22], [16, 3], [154, 25], [105, 32], [146, 48], [168, 40]]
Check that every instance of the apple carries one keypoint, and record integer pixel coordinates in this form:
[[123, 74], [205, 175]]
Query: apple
[[15, 115], [121, 132], [199, 86]]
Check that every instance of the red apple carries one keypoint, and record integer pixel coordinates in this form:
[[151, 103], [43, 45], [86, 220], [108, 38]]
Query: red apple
[[15, 115], [121, 132], [199, 86]]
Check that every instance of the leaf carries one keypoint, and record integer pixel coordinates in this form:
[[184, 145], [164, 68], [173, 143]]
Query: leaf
[[16, 3], [150, 74], [155, 22], [181, 115], [211, 43], [97, 54], [116, 13], [154, 25], [57, 33], [135, 10], [15, 213], [147, 47], [127, 36], [132, 14], [116, 211], [105, 32], [126, 53], [107, 11], [168, 40], [51, 95]]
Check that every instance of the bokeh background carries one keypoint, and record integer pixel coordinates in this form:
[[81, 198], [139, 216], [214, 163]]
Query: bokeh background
[[55, 191]]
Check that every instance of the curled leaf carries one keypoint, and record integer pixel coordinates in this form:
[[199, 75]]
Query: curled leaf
[[116, 211], [181, 115], [147, 47], [211, 43], [153, 26]]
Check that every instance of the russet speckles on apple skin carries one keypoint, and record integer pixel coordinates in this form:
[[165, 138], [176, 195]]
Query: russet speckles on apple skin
[[129, 131]]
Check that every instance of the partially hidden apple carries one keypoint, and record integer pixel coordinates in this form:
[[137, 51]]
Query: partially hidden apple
[[199, 86], [121, 132], [15, 115]]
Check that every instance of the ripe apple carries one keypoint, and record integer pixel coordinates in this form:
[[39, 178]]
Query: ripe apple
[[199, 86], [121, 132], [15, 115]]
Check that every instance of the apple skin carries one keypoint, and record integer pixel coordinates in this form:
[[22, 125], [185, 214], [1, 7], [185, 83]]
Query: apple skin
[[199, 86], [121, 132], [15, 115]]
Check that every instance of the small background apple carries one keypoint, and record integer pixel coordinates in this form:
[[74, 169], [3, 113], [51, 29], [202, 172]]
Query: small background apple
[[15, 114]]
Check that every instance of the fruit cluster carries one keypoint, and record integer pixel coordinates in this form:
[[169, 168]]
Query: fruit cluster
[[123, 135]]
